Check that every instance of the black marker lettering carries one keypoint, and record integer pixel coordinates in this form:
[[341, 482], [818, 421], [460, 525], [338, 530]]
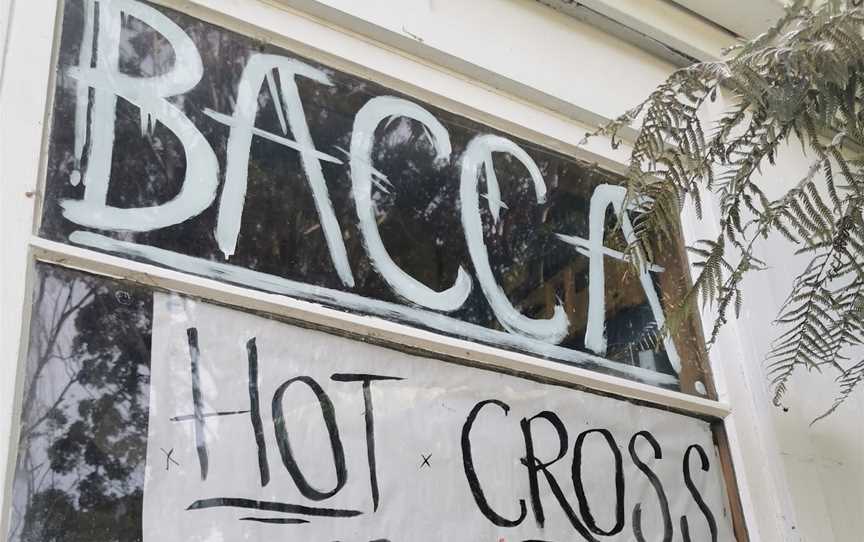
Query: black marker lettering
[[367, 380], [187, 417], [584, 508], [471, 474], [255, 412], [655, 482], [535, 466], [272, 506], [198, 408], [700, 502], [285, 445], [277, 521]]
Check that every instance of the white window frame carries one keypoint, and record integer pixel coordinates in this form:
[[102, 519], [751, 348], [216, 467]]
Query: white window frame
[[26, 84]]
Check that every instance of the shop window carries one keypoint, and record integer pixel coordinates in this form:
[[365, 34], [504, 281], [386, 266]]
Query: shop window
[[152, 416], [83, 433], [149, 414], [181, 143]]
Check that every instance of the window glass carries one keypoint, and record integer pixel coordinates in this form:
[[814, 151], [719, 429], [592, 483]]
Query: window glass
[[178, 142], [83, 436], [152, 416]]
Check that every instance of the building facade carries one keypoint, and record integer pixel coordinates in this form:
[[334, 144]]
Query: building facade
[[346, 271]]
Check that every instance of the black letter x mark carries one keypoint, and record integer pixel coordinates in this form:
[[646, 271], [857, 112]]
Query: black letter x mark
[[425, 461], [168, 458]]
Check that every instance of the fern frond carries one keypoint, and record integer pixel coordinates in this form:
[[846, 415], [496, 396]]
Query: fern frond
[[799, 81]]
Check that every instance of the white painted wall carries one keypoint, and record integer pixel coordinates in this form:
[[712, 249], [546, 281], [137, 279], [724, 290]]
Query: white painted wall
[[521, 40], [26, 47], [747, 18], [823, 463]]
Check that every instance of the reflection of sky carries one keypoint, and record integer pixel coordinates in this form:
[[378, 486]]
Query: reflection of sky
[[52, 379], [137, 49], [54, 326]]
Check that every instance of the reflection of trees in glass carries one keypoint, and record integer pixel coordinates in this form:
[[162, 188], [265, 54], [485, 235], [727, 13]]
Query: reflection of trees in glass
[[80, 466], [419, 219]]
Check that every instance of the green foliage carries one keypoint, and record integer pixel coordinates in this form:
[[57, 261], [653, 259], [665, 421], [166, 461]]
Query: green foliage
[[801, 82]]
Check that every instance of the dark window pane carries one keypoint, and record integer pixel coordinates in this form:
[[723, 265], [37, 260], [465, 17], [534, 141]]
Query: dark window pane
[[237, 202], [79, 473]]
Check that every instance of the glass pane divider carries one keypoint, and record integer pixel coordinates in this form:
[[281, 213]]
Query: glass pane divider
[[373, 328]]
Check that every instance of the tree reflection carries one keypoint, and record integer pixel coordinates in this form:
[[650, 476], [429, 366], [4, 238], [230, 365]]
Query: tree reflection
[[82, 448], [418, 217]]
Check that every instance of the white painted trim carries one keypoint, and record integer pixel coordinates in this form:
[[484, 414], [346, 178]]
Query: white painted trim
[[659, 21], [747, 18], [29, 43], [740, 381], [404, 43], [367, 326], [226, 272], [358, 46], [5, 18]]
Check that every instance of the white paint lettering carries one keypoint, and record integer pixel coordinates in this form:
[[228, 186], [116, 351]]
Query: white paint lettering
[[362, 138], [198, 188], [479, 153], [94, 129], [232, 200], [595, 332]]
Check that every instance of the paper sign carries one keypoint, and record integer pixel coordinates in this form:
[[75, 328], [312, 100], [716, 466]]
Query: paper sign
[[260, 430]]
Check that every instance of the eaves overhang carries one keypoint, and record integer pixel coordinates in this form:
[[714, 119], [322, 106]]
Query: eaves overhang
[[681, 31]]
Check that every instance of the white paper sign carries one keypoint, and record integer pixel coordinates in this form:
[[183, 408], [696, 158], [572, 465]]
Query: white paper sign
[[261, 430]]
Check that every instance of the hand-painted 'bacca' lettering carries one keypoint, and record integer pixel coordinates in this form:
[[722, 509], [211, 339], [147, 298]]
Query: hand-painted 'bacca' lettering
[[101, 81]]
